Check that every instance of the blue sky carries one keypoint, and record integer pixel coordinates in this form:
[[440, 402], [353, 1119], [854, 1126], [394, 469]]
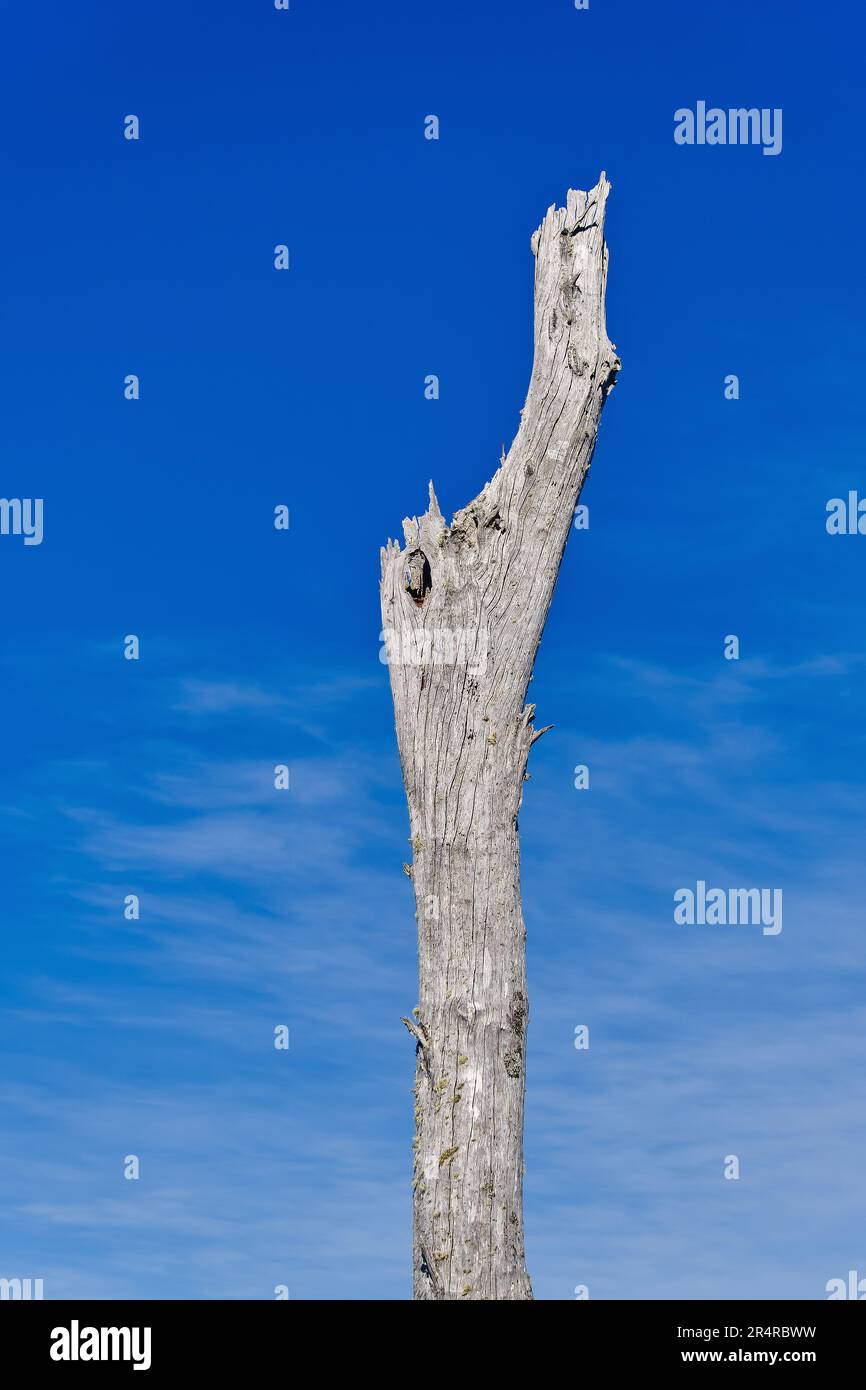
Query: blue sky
[[707, 517]]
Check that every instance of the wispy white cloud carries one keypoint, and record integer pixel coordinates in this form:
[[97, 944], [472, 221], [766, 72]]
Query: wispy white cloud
[[260, 906]]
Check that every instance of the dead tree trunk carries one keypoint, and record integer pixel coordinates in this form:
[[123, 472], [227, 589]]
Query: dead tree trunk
[[463, 608]]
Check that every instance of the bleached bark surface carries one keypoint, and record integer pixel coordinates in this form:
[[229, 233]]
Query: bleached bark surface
[[464, 734]]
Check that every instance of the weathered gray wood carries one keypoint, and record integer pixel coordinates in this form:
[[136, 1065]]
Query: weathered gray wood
[[463, 608]]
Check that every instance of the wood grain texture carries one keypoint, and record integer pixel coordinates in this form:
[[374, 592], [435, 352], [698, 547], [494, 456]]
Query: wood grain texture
[[463, 608]]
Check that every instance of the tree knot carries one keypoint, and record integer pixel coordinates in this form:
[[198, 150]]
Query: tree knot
[[419, 580]]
